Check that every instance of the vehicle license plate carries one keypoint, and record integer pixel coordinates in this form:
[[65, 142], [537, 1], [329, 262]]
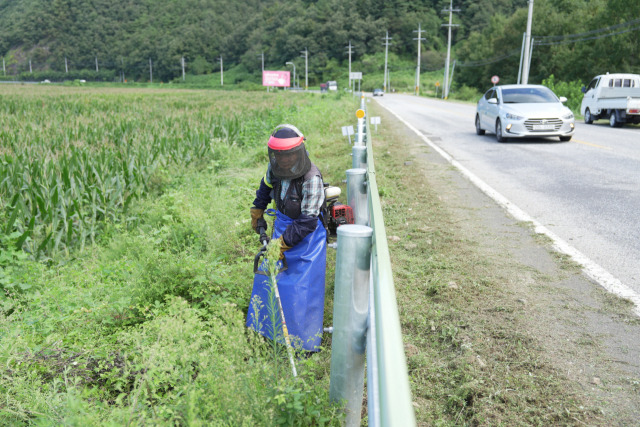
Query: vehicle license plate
[[542, 127]]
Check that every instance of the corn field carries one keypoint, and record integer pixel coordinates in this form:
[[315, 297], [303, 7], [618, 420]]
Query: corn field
[[72, 159]]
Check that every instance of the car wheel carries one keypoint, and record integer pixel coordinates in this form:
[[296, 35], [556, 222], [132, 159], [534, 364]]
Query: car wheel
[[565, 138], [614, 120], [499, 136], [479, 130], [588, 118]]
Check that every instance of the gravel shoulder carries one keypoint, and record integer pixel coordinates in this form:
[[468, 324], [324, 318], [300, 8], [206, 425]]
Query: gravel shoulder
[[534, 341]]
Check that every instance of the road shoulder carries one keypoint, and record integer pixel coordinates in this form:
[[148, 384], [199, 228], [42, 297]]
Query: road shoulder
[[498, 327]]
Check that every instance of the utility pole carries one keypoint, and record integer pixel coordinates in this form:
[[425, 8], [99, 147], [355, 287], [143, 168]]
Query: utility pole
[[527, 42], [262, 75], [122, 64], [221, 72], [420, 38], [97, 64], [30, 70], [4, 70], [306, 67], [350, 47], [386, 55], [182, 61], [445, 92], [389, 78], [66, 67], [451, 77], [150, 70], [294, 72], [524, 37]]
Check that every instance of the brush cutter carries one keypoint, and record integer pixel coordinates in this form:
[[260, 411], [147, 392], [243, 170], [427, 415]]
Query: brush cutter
[[256, 263]]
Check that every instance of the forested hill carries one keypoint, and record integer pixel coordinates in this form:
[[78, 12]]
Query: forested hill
[[125, 35]]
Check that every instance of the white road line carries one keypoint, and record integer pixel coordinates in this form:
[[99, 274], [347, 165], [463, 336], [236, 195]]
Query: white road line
[[590, 268]]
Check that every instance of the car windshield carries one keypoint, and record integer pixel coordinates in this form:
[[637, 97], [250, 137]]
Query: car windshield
[[525, 95]]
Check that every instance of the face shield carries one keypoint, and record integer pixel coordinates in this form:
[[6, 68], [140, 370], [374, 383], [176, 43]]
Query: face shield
[[287, 153], [289, 164]]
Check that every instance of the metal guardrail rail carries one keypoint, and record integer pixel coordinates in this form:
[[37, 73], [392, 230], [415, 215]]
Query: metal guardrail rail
[[366, 320], [388, 392]]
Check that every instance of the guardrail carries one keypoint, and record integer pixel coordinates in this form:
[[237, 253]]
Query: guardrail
[[364, 279]]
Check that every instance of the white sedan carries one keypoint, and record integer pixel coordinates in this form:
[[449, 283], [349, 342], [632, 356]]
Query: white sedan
[[519, 111]]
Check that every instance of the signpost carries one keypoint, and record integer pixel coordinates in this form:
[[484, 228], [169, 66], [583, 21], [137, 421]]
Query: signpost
[[347, 131], [375, 121], [353, 76]]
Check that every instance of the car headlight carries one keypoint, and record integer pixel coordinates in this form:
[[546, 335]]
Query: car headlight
[[513, 116], [568, 116]]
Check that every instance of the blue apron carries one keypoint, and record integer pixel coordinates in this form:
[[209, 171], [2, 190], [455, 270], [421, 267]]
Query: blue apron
[[301, 289]]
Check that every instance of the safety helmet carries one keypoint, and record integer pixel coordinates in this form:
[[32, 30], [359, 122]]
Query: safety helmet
[[287, 153]]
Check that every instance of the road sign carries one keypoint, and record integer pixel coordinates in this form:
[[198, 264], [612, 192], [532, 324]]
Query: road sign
[[375, 121], [355, 75], [495, 79], [347, 131], [360, 114], [437, 84]]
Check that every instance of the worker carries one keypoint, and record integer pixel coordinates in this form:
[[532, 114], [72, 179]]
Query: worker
[[295, 184]]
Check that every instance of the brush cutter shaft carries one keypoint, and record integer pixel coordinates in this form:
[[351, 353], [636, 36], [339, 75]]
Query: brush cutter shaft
[[285, 331]]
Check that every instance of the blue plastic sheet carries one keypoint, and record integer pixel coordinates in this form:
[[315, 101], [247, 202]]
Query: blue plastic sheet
[[301, 289]]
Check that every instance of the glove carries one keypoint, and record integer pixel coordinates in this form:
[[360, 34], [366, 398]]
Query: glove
[[257, 219], [283, 246]]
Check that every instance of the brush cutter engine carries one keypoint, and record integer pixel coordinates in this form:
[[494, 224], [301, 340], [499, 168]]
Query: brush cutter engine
[[337, 213]]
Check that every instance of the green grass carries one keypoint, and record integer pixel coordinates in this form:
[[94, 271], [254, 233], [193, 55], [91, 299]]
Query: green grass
[[143, 324]]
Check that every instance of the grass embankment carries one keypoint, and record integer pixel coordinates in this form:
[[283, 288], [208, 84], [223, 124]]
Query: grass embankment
[[146, 325]]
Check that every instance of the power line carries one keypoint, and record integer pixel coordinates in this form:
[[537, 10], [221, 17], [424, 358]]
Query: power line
[[488, 61], [588, 33], [566, 39], [542, 43]]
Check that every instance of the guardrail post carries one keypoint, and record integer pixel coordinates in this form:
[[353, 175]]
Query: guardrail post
[[357, 195], [350, 311], [359, 160]]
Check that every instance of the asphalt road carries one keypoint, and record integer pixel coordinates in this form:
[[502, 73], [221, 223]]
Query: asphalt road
[[586, 191]]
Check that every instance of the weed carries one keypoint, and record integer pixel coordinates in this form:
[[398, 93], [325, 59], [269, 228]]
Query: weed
[[144, 323]]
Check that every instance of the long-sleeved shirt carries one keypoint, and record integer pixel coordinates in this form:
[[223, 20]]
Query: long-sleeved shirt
[[312, 201]]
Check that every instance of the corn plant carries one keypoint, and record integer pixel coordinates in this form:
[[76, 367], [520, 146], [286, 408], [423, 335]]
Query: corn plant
[[71, 162]]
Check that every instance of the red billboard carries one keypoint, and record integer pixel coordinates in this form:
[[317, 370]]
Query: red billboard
[[276, 78]]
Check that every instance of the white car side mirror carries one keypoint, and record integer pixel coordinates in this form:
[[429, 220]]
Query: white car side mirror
[[563, 99], [493, 101]]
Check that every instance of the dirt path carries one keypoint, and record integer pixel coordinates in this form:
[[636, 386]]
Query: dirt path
[[519, 333]]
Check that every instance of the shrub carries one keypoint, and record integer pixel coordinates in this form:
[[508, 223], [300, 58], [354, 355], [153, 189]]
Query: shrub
[[571, 90]]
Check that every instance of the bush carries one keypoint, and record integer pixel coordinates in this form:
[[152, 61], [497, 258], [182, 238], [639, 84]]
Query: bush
[[571, 90], [465, 93]]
